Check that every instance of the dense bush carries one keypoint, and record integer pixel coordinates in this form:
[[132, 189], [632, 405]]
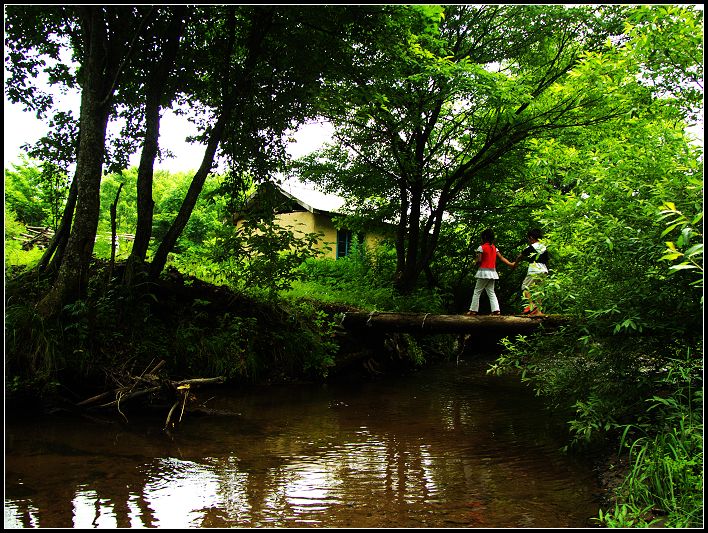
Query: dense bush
[[627, 251]]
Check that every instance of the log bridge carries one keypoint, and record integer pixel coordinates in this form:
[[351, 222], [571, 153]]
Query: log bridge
[[430, 323]]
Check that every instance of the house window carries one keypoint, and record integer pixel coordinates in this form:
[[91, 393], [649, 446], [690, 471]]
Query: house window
[[345, 239]]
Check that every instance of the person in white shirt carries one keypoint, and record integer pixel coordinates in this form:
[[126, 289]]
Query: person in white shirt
[[537, 255]]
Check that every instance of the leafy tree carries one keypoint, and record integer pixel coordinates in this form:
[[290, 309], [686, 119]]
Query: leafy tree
[[236, 54], [23, 194], [628, 249], [160, 57], [126, 211], [260, 76], [689, 244], [103, 41], [633, 316], [207, 217], [139, 96], [249, 71], [424, 126], [666, 41]]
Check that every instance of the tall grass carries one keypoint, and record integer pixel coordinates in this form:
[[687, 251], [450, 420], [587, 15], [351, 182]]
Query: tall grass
[[664, 484], [362, 280]]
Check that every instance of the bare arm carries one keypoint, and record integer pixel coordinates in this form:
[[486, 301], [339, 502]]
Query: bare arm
[[506, 261]]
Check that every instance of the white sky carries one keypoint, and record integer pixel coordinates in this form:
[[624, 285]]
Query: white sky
[[22, 127]]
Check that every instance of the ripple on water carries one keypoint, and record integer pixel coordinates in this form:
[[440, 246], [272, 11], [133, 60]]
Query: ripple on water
[[449, 448]]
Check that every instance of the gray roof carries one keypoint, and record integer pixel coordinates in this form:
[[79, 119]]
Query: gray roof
[[310, 198]]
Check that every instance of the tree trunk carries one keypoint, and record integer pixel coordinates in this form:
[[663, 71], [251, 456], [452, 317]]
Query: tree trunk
[[156, 88], [103, 60], [72, 277], [190, 200], [231, 91], [155, 91], [55, 250]]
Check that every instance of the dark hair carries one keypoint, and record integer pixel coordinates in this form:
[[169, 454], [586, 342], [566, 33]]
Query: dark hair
[[488, 236], [535, 234]]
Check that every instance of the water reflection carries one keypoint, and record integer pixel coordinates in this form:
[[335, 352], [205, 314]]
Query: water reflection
[[450, 447]]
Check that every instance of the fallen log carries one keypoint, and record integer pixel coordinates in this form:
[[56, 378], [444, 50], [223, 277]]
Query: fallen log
[[431, 323], [94, 399]]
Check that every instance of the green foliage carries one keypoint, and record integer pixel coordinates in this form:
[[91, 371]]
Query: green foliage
[[667, 42], [226, 349], [313, 333], [126, 208], [596, 382], [169, 191], [32, 346], [625, 516], [632, 295], [632, 311], [361, 280], [273, 253], [36, 192], [15, 256], [118, 328], [262, 254], [686, 248], [665, 451], [608, 232], [433, 124], [295, 340]]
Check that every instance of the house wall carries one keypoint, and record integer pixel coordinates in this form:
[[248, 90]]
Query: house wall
[[306, 222], [303, 222]]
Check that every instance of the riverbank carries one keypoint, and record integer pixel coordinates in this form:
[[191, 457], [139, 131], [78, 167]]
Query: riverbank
[[201, 331], [192, 329]]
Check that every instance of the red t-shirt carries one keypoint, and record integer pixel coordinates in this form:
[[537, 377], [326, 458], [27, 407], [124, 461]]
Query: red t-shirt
[[489, 256]]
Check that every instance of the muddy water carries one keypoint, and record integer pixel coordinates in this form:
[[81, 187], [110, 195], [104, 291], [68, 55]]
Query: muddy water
[[446, 447]]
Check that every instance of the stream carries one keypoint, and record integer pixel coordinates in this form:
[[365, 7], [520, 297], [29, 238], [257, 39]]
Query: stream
[[448, 446]]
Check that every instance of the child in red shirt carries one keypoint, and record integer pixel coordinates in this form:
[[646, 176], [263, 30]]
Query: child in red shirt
[[486, 275]]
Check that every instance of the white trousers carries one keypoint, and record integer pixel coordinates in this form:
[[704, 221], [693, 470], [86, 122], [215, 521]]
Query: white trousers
[[481, 286]]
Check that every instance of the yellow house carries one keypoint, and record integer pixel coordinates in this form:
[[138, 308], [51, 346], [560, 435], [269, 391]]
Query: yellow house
[[307, 210]]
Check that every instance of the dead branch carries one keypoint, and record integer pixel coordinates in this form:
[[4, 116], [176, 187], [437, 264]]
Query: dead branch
[[130, 388]]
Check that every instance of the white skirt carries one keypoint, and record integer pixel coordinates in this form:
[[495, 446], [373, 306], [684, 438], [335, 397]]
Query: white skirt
[[487, 273]]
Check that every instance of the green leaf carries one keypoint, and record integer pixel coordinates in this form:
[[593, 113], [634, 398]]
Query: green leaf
[[682, 267], [671, 256], [670, 229]]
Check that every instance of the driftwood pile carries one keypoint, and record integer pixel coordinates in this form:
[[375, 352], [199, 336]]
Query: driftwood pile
[[150, 385], [35, 236]]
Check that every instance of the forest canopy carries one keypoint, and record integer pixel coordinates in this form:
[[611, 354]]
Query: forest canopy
[[439, 111], [575, 120]]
